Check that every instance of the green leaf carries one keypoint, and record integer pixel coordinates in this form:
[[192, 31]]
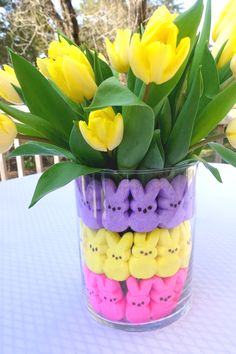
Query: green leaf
[[41, 98], [131, 79], [40, 148], [26, 130], [225, 72], [188, 21], [210, 168], [138, 132], [226, 154], [210, 74], [202, 42], [180, 137], [165, 121], [37, 123], [214, 112], [153, 158], [84, 152], [58, 176], [112, 93]]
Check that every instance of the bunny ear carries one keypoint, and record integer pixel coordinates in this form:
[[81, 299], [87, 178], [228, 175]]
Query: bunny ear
[[153, 188], [109, 186], [175, 234], [145, 286], [179, 183], [112, 238], [158, 284], [170, 282], [101, 236], [166, 189], [101, 281], [136, 189], [123, 189], [132, 285], [139, 238], [164, 237], [126, 241], [111, 285], [153, 238]]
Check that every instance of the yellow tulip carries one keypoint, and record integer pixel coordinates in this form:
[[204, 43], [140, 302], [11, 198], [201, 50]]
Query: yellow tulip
[[8, 133], [231, 133], [225, 21], [118, 50], [233, 65], [7, 91], [104, 130], [156, 57], [69, 68]]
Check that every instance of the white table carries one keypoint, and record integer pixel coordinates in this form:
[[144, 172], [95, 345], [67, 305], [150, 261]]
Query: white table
[[41, 308]]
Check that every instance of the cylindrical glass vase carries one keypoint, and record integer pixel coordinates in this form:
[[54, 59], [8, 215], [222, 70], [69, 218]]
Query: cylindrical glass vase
[[136, 243]]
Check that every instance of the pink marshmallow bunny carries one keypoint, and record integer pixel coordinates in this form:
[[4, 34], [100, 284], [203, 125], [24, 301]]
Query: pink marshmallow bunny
[[112, 298], [181, 277], [138, 300], [92, 289], [116, 204], [143, 217]]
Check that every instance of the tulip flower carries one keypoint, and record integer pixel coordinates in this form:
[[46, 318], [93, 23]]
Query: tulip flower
[[7, 80], [71, 71], [156, 57], [233, 65], [104, 130], [118, 50], [225, 21], [231, 133], [8, 133]]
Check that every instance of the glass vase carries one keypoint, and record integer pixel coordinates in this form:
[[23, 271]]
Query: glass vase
[[136, 243]]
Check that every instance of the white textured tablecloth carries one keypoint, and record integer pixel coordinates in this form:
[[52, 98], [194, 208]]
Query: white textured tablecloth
[[41, 309]]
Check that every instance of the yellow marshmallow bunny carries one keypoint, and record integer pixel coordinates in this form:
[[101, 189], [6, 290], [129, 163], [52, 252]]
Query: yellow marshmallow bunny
[[119, 250], [168, 248], [142, 263], [94, 248], [185, 243]]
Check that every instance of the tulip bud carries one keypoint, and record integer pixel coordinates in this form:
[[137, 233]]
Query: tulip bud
[[8, 133], [71, 71], [118, 50], [231, 132], [7, 90], [104, 130], [156, 57], [225, 21]]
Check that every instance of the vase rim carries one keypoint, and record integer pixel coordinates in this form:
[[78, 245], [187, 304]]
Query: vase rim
[[149, 171]]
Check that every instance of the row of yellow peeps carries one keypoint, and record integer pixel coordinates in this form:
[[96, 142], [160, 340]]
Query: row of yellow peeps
[[161, 252]]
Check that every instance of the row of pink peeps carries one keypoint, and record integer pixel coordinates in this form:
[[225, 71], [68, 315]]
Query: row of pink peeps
[[134, 301]]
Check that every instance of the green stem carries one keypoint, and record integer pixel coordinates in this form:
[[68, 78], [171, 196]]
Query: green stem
[[206, 141], [146, 92]]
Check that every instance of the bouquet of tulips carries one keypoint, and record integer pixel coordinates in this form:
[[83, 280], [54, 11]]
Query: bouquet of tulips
[[155, 106]]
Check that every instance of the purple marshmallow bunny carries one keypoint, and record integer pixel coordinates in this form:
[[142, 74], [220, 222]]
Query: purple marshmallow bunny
[[116, 204], [171, 201], [89, 203], [144, 217]]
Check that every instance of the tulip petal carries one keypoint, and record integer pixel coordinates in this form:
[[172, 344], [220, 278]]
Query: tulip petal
[[160, 57], [7, 91], [178, 59], [42, 65], [231, 133], [118, 50], [91, 138], [225, 20], [8, 133], [78, 80], [138, 60], [116, 135], [56, 73]]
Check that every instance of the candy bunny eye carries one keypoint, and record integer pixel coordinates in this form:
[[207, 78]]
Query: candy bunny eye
[[179, 202], [141, 252], [109, 207], [176, 249], [104, 297], [161, 298], [96, 249], [169, 250], [133, 303], [150, 252], [139, 209], [171, 204], [149, 207], [120, 257], [142, 302], [90, 246], [118, 208], [113, 256]]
